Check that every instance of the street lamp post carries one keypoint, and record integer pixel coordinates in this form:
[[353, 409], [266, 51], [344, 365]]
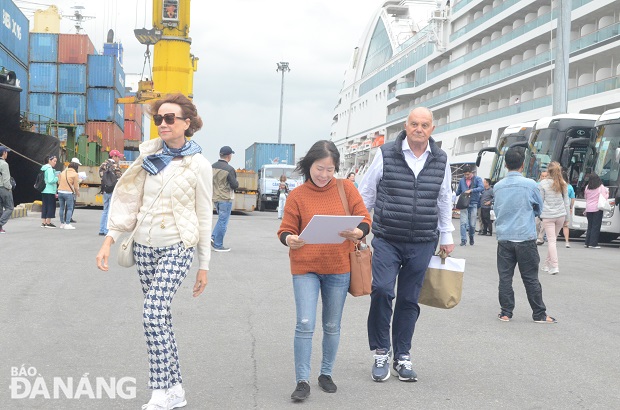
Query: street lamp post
[[282, 66]]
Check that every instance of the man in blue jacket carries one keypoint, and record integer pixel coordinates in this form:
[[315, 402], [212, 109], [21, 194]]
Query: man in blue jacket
[[517, 203], [473, 186]]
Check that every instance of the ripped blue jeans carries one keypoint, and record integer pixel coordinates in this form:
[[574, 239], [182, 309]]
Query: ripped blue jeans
[[333, 289]]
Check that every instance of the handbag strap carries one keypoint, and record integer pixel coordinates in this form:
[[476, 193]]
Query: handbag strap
[[345, 203], [343, 196], [68, 183], [150, 206]]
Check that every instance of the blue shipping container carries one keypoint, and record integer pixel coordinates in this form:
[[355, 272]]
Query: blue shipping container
[[113, 49], [71, 108], [21, 73], [43, 48], [41, 104], [101, 104], [130, 155], [119, 117], [43, 78], [72, 78], [261, 153], [106, 72], [14, 30]]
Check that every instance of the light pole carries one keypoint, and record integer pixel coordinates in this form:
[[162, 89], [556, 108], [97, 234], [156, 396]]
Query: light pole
[[282, 66]]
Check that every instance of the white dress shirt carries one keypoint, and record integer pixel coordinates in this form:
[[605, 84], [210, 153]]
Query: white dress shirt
[[368, 188]]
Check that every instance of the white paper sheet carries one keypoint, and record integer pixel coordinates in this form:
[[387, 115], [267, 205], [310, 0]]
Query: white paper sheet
[[325, 228]]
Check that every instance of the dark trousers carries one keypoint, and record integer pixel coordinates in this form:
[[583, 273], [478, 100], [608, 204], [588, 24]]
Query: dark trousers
[[48, 206], [487, 224], [408, 263], [525, 254], [595, 219]]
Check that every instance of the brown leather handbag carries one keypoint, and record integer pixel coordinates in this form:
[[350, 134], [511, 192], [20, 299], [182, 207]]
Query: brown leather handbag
[[360, 258]]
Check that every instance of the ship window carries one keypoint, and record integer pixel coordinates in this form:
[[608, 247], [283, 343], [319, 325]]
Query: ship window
[[379, 50]]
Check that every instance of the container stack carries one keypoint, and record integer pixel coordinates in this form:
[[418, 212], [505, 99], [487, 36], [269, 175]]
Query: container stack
[[14, 45], [133, 132], [57, 86], [105, 118]]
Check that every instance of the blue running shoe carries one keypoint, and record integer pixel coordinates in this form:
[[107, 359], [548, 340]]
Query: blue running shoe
[[403, 370], [381, 368]]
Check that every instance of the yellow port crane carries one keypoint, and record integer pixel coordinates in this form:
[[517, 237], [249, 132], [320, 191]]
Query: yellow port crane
[[173, 63]]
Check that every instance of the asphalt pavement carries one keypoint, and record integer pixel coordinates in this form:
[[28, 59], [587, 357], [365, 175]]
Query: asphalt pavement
[[70, 330]]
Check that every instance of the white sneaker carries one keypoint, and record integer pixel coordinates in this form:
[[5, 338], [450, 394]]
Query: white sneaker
[[554, 271], [544, 268], [62, 226], [567, 245], [176, 400], [163, 405], [69, 226]]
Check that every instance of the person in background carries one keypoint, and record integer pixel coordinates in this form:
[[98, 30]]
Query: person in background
[[486, 204], [351, 177], [569, 217], [111, 164], [68, 190], [540, 230], [594, 188], [408, 186], [169, 185], [6, 189], [554, 212], [517, 204], [282, 194], [319, 268], [224, 185], [470, 185], [48, 195]]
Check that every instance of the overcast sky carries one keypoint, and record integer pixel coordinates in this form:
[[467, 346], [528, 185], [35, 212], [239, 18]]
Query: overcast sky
[[237, 88]]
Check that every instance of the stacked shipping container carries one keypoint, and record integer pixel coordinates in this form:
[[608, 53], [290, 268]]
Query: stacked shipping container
[[57, 86], [14, 45], [106, 118], [71, 84]]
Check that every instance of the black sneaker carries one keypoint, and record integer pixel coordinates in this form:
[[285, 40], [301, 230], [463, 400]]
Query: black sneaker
[[50, 225], [45, 225], [101, 234], [302, 391], [327, 384], [222, 249], [463, 243], [381, 367], [471, 240]]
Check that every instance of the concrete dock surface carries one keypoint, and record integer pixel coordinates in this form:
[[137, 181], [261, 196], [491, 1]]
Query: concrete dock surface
[[72, 335]]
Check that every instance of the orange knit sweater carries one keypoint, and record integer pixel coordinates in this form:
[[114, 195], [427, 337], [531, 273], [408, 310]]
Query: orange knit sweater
[[302, 204]]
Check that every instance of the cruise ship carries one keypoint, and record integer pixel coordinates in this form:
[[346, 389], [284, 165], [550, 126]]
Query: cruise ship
[[479, 65]]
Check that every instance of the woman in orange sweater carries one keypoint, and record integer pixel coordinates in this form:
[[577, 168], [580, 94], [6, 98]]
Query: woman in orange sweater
[[319, 268]]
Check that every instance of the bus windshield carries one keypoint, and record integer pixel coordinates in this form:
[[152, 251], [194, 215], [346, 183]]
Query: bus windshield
[[607, 165], [543, 143], [505, 141]]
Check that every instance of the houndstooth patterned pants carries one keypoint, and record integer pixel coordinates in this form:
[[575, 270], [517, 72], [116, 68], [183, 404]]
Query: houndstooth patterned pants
[[162, 271]]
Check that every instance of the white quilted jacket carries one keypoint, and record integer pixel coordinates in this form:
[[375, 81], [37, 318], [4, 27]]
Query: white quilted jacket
[[192, 206]]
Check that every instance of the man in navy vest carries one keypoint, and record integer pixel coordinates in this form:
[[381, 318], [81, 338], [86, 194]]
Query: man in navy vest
[[408, 186]]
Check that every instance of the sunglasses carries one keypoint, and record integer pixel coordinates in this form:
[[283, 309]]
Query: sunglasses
[[168, 118]]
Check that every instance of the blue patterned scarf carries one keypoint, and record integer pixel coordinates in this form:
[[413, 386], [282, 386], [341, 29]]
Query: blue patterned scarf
[[156, 162]]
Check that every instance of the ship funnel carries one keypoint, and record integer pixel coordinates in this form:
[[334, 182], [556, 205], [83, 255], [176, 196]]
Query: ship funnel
[[110, 36]]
